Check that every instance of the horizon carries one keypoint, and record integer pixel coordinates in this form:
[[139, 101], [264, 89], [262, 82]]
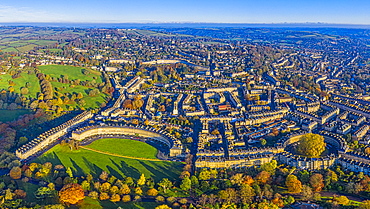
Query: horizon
[[186, 24], [206, 11]]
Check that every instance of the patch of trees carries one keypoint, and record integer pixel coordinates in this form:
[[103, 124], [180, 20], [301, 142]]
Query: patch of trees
[[311, 145]]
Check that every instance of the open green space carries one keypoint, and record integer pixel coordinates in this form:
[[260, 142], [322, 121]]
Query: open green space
[[84, 162], [125, 147], [71, 71], [91, 203], [20, 82], [10, 115]]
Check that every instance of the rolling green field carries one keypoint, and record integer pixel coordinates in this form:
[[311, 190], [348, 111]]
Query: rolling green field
[[85, 161], [21, 82], [10, 115], [71, 71]]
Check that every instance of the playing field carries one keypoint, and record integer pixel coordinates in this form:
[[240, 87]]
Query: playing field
[[114, 156]]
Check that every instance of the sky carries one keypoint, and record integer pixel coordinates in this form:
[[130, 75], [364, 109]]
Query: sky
[[207, 11]]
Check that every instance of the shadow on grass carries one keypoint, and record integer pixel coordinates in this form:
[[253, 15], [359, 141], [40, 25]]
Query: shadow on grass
[[114, 172], [169, 171], [126, 169], [94, 169], [50, 157], [78, 170]]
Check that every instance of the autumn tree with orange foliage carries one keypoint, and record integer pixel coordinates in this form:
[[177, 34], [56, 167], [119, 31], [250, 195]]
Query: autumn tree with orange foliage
[[15, 173], [248, 180], [71, 194], [263, 177], [317, 182], [293, 184]]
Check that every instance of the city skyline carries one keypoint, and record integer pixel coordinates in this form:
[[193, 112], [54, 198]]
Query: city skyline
[[164, 11]]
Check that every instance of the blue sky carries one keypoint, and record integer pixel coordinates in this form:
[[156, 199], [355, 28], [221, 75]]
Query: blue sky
[[217, 11]]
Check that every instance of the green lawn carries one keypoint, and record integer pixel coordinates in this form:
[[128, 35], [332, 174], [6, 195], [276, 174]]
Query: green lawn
[[10, 115], [72, 72], [91, 102], [85, 161], [56, 71], [21, 82], [89, 203], [125, 147]]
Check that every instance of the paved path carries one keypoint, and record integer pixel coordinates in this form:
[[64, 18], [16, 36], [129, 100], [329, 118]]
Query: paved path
[[117, 155]]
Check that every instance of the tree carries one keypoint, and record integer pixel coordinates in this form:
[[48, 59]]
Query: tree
[[228, 195], [204, 174], [246, 193], [293, 184], [165, 184], [104, 176], [237, 179], [24, 91], [317, 182], [185, 184], [9, 195], [152, 192], [115, 198], [248, 180], [125, 189], [138, 191], [15, 173], [94, 195], [311, 145], [307, 193], [141, 180], [263, 177], [69, 172], [342, 200], [270, 167], [163, 207], [126, 198], [263, 142], [71, 194], [364, 205], [103, 196]]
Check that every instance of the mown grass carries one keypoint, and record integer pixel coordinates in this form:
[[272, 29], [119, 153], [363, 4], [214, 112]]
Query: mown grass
[[84, 162], [72, 72], [125, 147], [89, 203]]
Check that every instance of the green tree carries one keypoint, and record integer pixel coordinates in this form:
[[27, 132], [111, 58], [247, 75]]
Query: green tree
[[185, 184], [165, 184], [311, 145], [246, 193]]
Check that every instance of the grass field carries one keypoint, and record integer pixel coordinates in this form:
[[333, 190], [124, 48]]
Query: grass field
[[10, 115], [57, 71], [85, 161], [95, 204], [119, 146], [21, 82], [72, 72]]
